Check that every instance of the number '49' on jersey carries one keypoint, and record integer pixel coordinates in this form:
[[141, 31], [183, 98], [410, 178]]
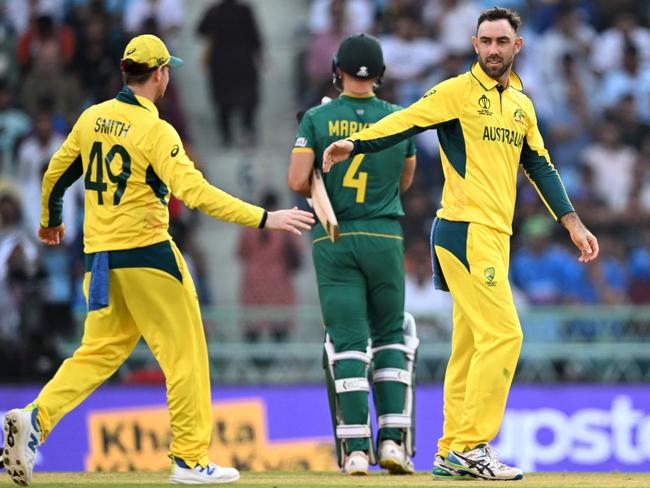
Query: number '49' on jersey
[[131, 162]]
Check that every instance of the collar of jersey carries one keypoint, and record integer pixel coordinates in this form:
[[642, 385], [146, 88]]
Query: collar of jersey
[[488, 83], [127, 96], [358, 96]]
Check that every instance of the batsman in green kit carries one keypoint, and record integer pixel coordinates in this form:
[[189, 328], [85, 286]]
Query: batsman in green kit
[[361, 276]]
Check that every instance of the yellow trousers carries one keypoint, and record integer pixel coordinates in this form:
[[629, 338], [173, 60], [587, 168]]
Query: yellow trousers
[[164, 310], [486, 338]]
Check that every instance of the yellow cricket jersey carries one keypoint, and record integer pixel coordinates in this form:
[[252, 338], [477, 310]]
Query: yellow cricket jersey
[[485, 132], [131, 161]]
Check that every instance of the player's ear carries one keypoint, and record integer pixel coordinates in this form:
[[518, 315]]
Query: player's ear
[[475, 43], [519, 43]]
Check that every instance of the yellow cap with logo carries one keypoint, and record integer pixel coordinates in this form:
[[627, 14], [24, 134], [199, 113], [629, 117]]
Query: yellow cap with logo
[[149, 50]]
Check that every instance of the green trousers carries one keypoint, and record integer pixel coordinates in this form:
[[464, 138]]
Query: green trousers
[[361, 289]]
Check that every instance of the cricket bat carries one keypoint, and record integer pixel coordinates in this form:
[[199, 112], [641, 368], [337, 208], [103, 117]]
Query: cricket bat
[[322, 205]]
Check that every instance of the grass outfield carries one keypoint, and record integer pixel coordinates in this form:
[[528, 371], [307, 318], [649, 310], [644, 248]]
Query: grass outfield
[[320, 480]]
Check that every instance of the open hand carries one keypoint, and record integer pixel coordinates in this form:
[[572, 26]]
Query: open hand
[[584, 240], [336, 152], [587, 243], [52, 236], [291, 220]]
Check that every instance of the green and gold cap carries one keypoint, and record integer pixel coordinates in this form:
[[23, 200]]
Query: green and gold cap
[[148, 50]]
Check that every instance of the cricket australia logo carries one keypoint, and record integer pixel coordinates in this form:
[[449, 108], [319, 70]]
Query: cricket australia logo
[[520, 116], [489, 276], [363, 72], [484, 103]]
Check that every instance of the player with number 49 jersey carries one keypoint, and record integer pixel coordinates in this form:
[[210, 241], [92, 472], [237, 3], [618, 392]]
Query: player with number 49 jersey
[[137, 283], [126, 152]]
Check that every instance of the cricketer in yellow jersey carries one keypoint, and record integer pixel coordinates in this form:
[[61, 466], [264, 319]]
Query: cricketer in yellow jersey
[[137, 283], [487, 127]]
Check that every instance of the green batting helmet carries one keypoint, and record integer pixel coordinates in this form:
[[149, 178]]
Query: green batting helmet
[[360, 56]]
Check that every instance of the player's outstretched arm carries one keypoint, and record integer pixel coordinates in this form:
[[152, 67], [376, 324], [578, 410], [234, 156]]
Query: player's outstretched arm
[[290, 220], [336, 152], [52, 236], [581, 237]]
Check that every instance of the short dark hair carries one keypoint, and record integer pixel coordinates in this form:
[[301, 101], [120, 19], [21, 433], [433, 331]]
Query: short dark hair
[[498, 13], [135, 73]]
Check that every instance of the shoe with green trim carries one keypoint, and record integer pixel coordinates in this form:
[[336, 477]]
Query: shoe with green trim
[[443, 471]]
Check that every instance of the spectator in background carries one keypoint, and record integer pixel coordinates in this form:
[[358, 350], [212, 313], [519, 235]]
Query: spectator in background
[[632, 79], [614, 42], [45, 53], [639, 266], [321, 49], [183, 234], [570, 127], [572, 35], [612, 273], [22, 12], [28, 349], [640, 204], [8, 62], [416, 225], [33, 157], [604, 282], [95, 59], [44, 33], [587, 200], [390, 10], [358, 16], [558, 92], [268, 264], [454, 22], [59, 262], [14, 125], [548, 13], [233, 52], [410, 57], [450, 65], [612, 163], [164, 16], [626, 116], [538, 265], [432, 308], [80, 12]]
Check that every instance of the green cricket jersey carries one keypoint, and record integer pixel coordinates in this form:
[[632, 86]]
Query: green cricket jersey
[[367, 185]]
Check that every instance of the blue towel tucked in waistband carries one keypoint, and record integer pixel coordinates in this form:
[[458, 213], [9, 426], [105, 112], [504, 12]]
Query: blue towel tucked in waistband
[[98, 292]]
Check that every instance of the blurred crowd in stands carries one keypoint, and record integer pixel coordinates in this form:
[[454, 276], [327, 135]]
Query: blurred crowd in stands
[[586, 66], [57, 57]]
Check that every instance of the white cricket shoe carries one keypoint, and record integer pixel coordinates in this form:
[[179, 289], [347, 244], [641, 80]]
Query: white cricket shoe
[[482, 462], [211, 474], [22, 435], [356, 464], [392, 456]]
